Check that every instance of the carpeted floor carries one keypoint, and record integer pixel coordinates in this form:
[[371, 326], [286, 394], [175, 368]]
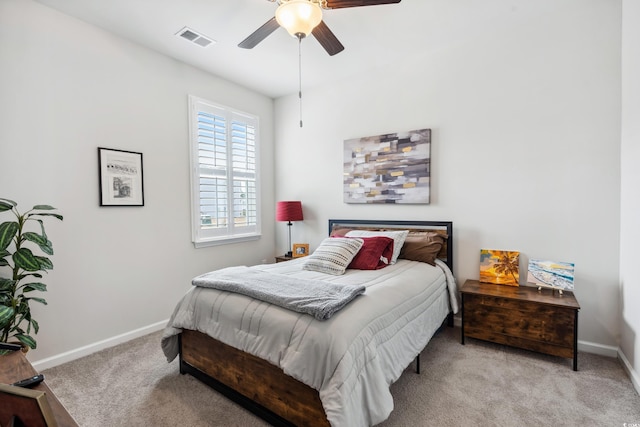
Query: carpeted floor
[[478, 384]]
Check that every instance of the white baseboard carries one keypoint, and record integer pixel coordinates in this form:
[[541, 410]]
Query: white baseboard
[[68, 356], [600, 349], [633, 375]]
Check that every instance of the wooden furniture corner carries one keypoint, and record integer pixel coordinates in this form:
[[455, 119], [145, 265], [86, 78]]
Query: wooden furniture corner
[[14, 367], [521, 316]]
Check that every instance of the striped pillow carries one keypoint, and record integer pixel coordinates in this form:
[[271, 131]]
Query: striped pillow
[[333, 255]]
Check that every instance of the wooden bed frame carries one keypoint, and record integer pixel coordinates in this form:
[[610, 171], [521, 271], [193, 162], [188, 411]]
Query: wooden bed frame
[[262, 387]]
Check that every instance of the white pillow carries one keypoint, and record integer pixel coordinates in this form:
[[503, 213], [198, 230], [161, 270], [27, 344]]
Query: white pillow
[[333, 255], [397, 236]]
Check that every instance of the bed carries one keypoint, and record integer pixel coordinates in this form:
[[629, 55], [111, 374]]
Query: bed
[[289, 367]]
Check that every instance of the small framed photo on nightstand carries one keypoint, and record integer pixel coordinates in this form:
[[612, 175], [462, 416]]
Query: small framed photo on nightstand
[[300, 250]]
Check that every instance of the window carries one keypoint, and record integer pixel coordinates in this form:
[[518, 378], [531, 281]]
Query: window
[[224, 174]]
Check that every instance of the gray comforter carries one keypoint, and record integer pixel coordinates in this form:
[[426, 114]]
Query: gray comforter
[[317, 298], [351, 358]]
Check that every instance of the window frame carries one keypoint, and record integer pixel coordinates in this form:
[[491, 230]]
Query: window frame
[[230, 234]]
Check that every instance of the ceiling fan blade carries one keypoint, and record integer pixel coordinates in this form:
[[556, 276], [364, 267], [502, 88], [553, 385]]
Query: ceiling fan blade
[[260, 34], [339, 4], [327, 39]]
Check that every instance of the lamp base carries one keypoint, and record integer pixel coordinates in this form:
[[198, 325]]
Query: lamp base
[[289, 254]]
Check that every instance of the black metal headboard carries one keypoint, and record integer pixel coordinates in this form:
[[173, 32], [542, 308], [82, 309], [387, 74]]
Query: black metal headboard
[[446, 253]]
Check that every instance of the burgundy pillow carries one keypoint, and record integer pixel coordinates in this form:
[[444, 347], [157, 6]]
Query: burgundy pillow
[[374, 254]]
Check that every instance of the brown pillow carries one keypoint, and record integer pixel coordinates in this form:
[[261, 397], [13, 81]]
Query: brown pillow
[[423, 247], [339, 232]]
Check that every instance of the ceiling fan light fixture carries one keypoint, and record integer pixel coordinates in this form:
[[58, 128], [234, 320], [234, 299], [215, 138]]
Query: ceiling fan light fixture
[[299, 17]]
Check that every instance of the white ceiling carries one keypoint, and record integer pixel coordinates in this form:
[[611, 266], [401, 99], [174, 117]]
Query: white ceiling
[[373, 36]]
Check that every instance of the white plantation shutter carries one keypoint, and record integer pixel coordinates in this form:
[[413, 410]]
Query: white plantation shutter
[[224, 174]]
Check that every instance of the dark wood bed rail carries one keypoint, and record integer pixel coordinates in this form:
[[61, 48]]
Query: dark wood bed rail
[[251, 382]]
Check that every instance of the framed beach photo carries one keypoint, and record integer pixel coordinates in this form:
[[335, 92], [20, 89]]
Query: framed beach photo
[[551, 274], [300, 250], [121, 182]]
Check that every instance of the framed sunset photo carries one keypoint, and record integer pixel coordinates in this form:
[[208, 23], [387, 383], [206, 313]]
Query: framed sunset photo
[[500, 267]]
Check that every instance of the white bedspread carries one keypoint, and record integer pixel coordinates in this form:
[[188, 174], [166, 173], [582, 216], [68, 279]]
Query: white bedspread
[[351, 358]]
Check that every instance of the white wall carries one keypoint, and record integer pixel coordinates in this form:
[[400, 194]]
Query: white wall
[[630, 204], [67, 88], [525, 153]]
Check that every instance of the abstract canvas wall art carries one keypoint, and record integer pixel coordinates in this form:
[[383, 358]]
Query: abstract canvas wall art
[[391, 168], [558, 275], [500, 267]]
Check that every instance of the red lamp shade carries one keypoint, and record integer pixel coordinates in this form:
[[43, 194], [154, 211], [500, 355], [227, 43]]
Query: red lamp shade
[[289, 211]]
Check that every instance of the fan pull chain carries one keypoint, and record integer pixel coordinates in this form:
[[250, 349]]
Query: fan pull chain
[[300, 75]]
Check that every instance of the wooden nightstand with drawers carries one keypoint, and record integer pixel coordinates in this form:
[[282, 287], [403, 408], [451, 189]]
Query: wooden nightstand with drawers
[[521, 316]]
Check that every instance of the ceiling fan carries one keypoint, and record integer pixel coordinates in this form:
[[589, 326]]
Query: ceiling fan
[[303, 17]]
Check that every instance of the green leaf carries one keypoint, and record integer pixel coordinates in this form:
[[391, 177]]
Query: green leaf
[[4, 206], [45, 263], [35, 238], [6, 284], [42, 241], [3, 262], [35, 286], [11, 202], [25, 260], [36, 326], [40, 300], [45, 214], [43, 208], [22, 276], [7, 232], [26, 340], [44, 234], [6, 314], [23, 306]]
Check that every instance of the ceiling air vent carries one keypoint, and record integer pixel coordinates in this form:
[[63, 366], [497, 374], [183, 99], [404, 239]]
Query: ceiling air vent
[[195, 37]]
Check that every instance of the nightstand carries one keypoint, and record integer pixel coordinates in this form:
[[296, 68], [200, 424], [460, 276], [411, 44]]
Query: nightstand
[[283, 258], [521, 316]]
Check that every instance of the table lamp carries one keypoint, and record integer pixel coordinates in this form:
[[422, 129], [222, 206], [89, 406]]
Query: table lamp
[[289, 211]]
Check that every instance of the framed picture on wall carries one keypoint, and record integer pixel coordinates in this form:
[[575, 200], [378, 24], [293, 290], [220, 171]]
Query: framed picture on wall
[[393, 168], [121, 182]]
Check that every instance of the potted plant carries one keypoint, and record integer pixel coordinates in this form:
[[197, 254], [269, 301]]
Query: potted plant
[[23, 270]]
